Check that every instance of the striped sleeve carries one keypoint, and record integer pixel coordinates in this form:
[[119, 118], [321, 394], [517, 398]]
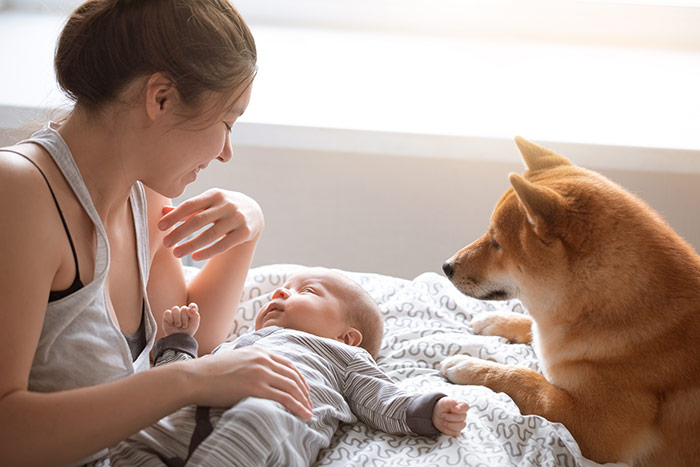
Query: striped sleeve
[[173, 348], [376, 400]]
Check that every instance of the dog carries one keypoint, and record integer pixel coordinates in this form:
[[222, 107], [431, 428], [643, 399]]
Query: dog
[[613, 312]]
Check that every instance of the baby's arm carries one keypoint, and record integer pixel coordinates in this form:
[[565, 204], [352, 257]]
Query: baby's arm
[[379, 402], [449, 416], [179, 325], [181, 319]]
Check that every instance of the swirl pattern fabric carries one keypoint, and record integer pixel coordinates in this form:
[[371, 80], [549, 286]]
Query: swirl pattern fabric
[[425, 321]]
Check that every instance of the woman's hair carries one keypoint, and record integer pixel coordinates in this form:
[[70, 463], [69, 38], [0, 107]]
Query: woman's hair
[[203, 46]]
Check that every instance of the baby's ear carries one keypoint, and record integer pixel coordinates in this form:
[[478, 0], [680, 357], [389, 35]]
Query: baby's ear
[[351, 336]]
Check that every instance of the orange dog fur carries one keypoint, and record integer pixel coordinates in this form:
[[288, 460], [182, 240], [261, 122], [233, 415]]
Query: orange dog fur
[[613, 295]]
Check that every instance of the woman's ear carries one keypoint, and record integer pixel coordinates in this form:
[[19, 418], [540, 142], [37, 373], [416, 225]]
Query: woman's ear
[[351, 336], [160, 95]]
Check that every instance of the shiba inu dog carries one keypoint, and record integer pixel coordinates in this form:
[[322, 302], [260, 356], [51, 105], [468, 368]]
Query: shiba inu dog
[[613, 296]]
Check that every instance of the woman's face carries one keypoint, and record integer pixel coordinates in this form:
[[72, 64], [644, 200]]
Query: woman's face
[[186, 148]]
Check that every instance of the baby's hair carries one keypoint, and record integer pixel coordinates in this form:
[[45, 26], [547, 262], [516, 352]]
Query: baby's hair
[[203, 46], [365, 316]]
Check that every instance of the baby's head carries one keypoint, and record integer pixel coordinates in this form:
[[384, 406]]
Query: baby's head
[[323, 302]]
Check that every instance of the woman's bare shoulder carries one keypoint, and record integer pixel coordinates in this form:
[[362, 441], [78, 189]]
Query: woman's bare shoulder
[[18, 174], [14, 165], [25, 202], [30, 259]]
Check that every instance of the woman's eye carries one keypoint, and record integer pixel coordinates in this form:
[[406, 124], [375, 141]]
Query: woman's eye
[[307, 290]]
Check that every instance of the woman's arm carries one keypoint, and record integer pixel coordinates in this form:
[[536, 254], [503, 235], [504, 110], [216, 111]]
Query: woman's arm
[[236, 221], [62, 427], [33, 428]]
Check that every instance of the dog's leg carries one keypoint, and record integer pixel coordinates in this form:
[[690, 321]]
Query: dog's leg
[[529, 390], [610, 425], [515, 327]]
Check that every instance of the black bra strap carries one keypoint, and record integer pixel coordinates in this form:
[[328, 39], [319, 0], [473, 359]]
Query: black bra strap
[[60, 213]]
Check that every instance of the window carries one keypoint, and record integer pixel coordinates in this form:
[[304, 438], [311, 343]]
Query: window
[[606, 72], [657, 23]]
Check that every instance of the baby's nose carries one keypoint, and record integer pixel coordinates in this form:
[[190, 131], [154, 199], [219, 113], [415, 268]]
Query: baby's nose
[[281, 293]]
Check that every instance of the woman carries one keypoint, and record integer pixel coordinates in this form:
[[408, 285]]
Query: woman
[[90, 244]]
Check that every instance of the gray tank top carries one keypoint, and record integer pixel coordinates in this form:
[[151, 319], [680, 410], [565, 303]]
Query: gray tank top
[[79, 344]]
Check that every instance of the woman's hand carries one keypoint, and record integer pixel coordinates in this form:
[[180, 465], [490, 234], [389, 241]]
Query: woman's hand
[[233, 218], [223, 379]]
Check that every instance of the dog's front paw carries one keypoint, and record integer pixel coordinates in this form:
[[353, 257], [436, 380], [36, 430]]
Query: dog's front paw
[[515, 327], [463, 369]]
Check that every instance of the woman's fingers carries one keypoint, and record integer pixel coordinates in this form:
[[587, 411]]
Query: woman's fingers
[[228, 228], [232, 239], [290, 403], [190, 225], [184, 211], [225, 232], [291, 391], [284, 376], [226, 378], [232, 218], [288, 363], [287, 378], [293, 383]]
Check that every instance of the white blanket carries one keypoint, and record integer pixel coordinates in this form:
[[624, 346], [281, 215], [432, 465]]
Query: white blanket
[[425, 321]]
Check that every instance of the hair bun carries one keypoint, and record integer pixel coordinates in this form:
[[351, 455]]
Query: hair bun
[[107, 44]]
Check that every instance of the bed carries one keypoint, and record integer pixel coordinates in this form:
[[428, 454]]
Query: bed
[[425, 321]]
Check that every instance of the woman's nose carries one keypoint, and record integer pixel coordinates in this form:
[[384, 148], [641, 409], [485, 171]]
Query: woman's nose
[[227, 151], [281, 293]]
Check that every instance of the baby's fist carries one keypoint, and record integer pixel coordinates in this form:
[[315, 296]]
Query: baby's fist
[[449, 416], [183, 319]]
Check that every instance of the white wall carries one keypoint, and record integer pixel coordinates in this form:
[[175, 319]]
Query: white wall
[[386, 152], [400, 215], [396, 215]]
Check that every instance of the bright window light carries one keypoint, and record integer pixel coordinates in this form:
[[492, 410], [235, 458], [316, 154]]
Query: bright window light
[[656, 23]]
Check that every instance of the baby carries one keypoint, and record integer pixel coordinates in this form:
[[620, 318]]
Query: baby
[[331, 329]]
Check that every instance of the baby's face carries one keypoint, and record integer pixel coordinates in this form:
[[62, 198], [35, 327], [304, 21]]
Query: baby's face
[[310, 301]]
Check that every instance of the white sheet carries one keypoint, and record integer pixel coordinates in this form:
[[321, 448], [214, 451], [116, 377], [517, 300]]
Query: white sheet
[[426, 321]]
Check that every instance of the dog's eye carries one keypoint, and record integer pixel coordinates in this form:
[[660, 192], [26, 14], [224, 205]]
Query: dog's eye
[[495, 245]]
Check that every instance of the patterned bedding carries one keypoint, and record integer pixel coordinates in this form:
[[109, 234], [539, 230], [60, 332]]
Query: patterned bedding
[[425, 321]]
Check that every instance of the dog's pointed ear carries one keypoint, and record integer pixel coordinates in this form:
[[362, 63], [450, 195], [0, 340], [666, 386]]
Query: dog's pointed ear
[[544, 207], [536, 157]]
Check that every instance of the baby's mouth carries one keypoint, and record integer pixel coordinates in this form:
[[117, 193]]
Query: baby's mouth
[[271, 307]]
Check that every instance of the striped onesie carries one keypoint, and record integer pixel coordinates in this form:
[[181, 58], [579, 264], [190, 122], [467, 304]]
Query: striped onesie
[[346, 385]]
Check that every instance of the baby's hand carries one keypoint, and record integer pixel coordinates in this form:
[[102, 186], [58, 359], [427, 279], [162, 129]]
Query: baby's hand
[[181, 319], [449, 416]]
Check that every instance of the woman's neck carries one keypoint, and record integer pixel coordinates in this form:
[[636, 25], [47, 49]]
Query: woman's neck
[[102, 151]]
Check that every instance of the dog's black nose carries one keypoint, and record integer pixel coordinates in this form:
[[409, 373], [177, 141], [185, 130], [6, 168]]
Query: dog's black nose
[[447, 268]]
